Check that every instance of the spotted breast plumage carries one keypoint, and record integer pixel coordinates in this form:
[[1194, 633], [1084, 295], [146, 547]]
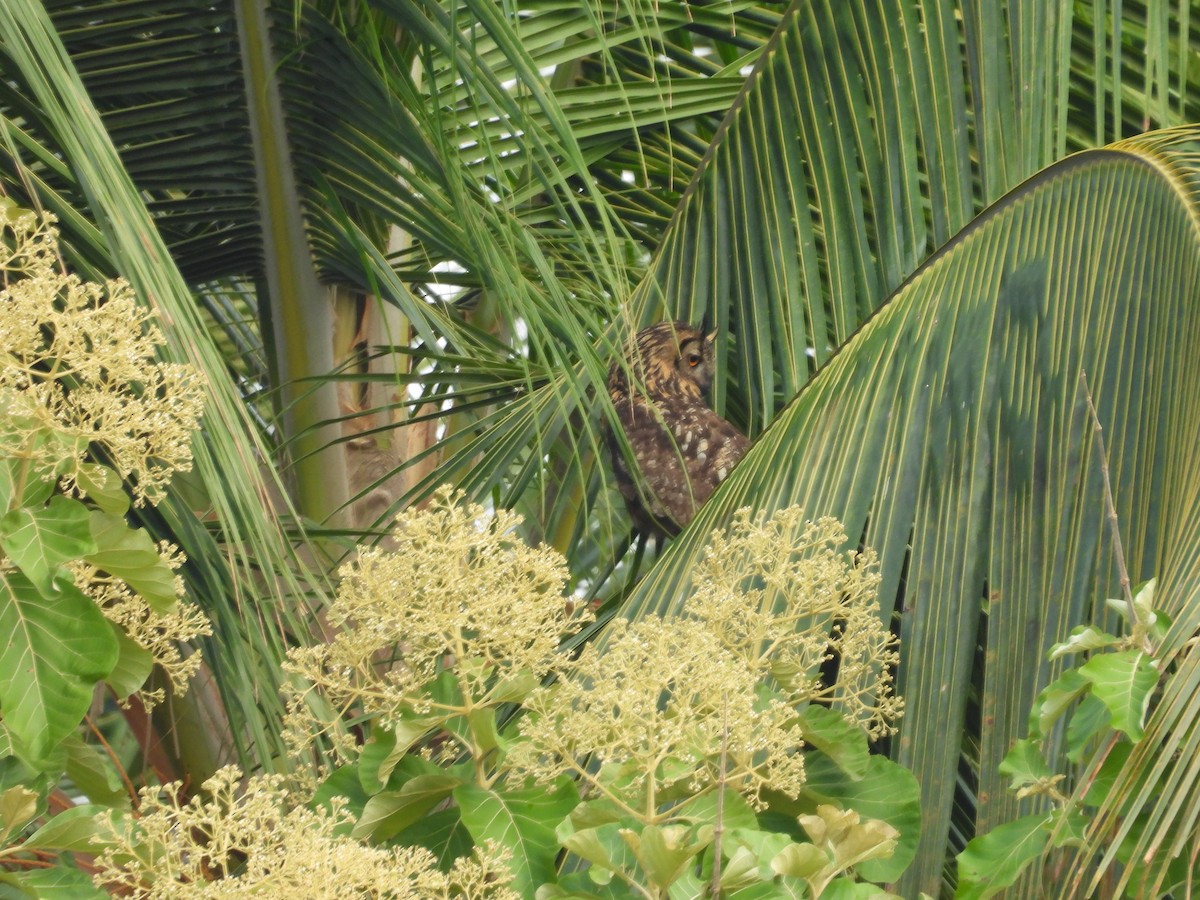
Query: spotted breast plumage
[[682, 449]]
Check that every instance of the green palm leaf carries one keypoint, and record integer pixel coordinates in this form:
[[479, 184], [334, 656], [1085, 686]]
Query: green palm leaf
[[949, 431]]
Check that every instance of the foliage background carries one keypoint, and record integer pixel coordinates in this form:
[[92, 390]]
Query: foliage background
[[875, 202]]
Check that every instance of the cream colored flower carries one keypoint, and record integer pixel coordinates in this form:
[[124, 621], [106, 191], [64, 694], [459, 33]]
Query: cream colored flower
[[662, 702], [459, 592], [79, 366], [782, 593], [257, 841]]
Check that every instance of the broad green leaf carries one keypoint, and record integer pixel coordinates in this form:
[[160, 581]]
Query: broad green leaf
[[851, 838], [1109, 774], [664, 851], [753, 844], [740, 868], [850, 889], [513, 689], [28, 436], [39, 541], [599, 845], [830, 733], [1055, 699], [800, 861], [390, 812], [483, 728], [409, 729], [1088, 720], [343, 782], [593, 813], [60, 883], [1123, 682], [36, 490], [523, 822], [378, 758], [735, 812], [781, 888], [886, 792], [103, 487], [994, 861], [133, 667], [130, 554], [94, 773], [57, 648], [1024, 764], [1083, 639], [72, 829], [18, 805]]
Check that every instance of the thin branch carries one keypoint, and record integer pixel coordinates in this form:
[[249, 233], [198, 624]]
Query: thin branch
[[714, 890], [1110, 507]]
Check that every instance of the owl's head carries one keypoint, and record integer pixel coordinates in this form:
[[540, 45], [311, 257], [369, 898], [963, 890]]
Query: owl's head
[[674, 359]]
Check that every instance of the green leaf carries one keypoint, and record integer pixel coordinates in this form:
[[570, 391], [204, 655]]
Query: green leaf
[[18, 805], [664, 851], [994, 861], [851, 838], [39, 541], [741, 867], [843, 743], [130, 554], [342, 782], [95, 774], [523, 822], [1088, 720], [390, 812], [513, 688], [736, 812], [1154, 622], [763, 847], [1083, 639], [1054, 700], [482, 723], [1024, 764], [410, 728], [1123, 682], [594, 813], [103, 487], [849, 889], [60, 882], [57, 648], [1111, 770], [72, 829], [133, 667], [13, 469], [781, 888], [378, 758], [887, 792], [600, 845], [800, 861]]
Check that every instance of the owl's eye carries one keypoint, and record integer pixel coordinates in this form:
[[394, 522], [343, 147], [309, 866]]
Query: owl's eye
[[693, 359]]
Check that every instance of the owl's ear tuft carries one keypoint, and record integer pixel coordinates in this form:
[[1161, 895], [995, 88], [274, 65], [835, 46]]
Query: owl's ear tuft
[[711, 337]]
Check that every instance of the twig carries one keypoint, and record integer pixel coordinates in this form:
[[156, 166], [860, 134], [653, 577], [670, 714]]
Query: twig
[[1111, 508], [714, 889]]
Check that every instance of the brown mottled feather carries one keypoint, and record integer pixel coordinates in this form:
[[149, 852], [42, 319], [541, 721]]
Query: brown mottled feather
[[682, 448]]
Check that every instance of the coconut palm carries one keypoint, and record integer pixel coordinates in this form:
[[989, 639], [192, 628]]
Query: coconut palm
[[429, 226]]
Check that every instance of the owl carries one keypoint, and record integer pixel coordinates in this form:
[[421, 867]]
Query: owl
[[682, 448]]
